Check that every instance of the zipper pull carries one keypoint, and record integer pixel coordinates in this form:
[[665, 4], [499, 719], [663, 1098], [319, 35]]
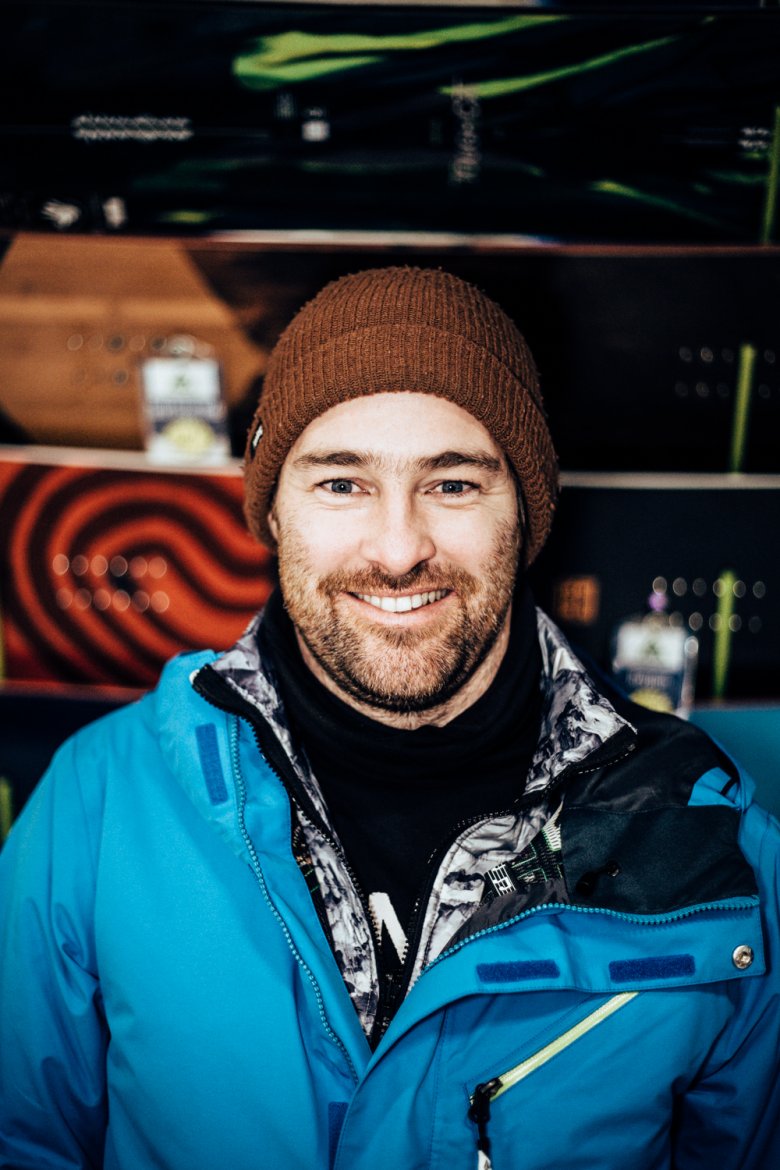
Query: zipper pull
[[479, 1113]]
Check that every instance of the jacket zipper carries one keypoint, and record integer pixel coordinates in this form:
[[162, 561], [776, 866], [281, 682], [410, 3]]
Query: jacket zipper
[[397, 989], [743, 902], [205, 691], [258, 872], [489, 1091]]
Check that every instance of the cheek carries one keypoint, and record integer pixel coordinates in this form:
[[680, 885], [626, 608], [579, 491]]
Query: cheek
[[318, 547], [476, 541]]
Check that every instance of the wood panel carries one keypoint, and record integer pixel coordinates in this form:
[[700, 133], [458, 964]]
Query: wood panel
[[78, 315]]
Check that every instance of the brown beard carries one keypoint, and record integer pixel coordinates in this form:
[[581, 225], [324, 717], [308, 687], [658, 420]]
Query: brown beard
[[401, 670]]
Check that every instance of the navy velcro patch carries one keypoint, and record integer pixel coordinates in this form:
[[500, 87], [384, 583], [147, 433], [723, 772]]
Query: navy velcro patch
[[515, 972], [663, 967], [206, 735], [337, 1111]]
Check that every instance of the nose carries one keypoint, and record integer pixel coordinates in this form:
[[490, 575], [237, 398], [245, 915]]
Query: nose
[[398, 535]]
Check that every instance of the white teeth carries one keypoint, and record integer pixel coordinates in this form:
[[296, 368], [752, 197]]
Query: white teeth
[[405, 603]]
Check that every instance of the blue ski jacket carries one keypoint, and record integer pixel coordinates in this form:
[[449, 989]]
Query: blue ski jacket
[[188, 979]]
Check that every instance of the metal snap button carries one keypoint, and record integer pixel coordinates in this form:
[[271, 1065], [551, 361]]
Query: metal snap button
[[742, 957]]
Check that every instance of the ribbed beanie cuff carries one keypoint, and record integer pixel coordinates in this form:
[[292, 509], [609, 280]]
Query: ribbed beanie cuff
[[404, 329]]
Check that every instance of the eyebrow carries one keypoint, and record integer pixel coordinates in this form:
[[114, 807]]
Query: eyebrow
[[444, 461]]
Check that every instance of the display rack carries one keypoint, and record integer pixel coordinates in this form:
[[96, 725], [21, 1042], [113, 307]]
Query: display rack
[[608, 172]]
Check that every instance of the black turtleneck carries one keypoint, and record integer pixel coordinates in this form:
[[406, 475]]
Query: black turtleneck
[[396, 797]]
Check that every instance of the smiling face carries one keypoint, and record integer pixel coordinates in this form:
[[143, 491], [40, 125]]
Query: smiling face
[[396, 524]]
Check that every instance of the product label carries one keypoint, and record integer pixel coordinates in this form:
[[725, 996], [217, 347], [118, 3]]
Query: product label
[[186, 417]]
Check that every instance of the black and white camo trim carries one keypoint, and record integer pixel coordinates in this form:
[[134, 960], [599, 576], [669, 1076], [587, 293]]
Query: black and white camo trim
[[576, 721]]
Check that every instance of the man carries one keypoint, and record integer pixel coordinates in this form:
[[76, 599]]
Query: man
[[391, 883]]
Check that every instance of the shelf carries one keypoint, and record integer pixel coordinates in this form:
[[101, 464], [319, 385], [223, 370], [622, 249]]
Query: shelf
[[108, 459], [469, 127], [104, 458]]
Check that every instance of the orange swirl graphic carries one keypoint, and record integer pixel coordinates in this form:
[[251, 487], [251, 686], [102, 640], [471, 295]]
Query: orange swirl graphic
[[106, 573]]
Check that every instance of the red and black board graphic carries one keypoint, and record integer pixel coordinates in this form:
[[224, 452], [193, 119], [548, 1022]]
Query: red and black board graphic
[[106, 573]]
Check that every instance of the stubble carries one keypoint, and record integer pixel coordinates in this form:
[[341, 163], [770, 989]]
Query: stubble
[[392, 669]]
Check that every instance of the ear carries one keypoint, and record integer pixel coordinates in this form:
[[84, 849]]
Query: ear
[[273, 524]]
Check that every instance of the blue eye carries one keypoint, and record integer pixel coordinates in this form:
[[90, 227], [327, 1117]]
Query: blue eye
[[453, 487], [341, 487]]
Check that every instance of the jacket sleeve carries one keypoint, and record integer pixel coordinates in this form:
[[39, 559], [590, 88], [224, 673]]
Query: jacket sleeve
[[730, 1117], [52, 1032]]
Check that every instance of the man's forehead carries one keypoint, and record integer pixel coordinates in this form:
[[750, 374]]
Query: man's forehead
[[392, 429]]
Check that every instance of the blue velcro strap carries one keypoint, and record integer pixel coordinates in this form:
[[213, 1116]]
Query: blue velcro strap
[[664, 967], [518, 971], [337, 1111], [206, 735]]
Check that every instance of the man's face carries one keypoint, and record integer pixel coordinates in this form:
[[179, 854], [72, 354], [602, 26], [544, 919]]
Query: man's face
[[397, 531]]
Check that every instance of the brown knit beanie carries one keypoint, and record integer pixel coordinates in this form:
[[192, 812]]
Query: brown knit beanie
[[404, 329]]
